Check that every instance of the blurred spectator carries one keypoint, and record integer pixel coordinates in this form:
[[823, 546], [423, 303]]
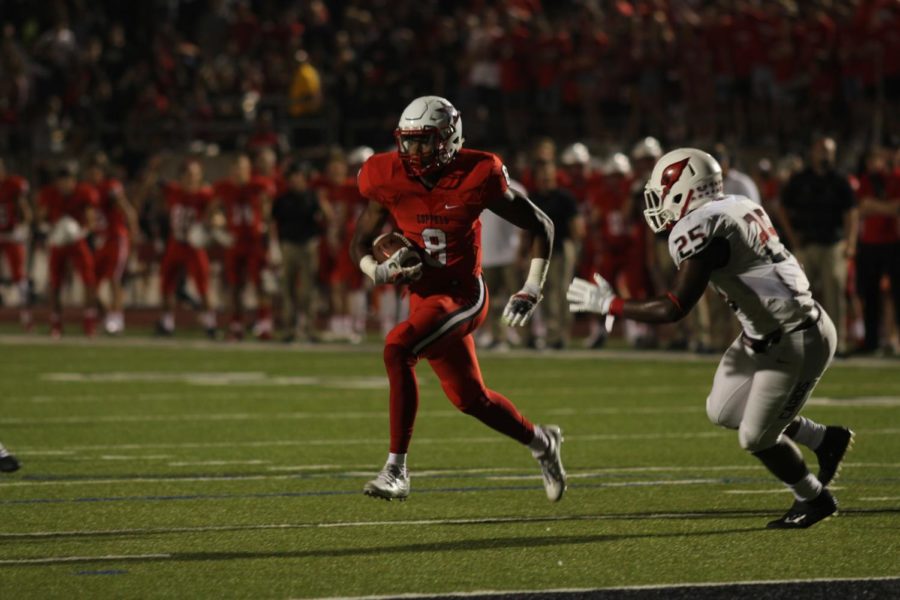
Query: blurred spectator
[[569, 229], [878, 253], [821, 226], [299, 217], [735, 182], [305, 94]]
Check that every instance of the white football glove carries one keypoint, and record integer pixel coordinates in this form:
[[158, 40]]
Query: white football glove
[[393, 271], [584, 296], [521, 306]]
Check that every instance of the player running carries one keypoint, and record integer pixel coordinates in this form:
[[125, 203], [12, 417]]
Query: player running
[[435, 191], [788, 341]]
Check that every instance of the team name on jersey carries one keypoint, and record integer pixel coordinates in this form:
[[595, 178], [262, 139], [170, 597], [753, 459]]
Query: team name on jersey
[[425, 219]]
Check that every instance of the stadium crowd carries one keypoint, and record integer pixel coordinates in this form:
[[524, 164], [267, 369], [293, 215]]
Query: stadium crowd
[[189, 111]]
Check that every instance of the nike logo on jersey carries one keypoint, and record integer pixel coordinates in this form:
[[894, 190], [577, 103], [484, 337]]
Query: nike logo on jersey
[[450, 206]]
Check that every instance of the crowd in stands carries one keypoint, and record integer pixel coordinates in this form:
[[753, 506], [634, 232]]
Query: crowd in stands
[[188, 109]]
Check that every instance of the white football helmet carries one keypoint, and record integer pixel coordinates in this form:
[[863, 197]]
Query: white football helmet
[[648, 147], [359, 155], [617, 164], [575, 154], [682, 180], [65, 231], [429, 119]]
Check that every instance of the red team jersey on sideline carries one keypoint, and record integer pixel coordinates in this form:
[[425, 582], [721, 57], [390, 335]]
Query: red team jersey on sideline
[[74, 205], [110, 218], [243, 205], [442, 221], [185, 208], [11, 189]]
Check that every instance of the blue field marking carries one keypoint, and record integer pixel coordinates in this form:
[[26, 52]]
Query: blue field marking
[[103, 572]]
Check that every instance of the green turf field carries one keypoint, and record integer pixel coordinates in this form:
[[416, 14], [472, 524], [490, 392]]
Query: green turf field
[[223, 471]]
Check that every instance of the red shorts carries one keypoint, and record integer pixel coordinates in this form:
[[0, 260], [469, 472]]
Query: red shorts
[[80, 255], [244, 262], [630, 266], [178, 256], [112, 258], [336, 266], [15, 257]]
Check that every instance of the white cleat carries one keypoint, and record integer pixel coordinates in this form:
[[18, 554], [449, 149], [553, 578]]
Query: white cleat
[[392, 483], [551, 464]]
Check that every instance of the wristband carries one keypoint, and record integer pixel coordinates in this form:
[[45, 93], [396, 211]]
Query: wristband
[[616, 307], [537, 273], [368, 264]]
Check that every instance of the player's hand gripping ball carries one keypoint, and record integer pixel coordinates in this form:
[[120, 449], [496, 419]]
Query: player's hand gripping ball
[[397, 258]]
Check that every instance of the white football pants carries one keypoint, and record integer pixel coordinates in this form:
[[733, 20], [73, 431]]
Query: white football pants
[[760, 393]]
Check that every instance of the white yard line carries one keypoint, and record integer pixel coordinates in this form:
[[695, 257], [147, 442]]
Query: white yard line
[[68, 559], [661, 587]]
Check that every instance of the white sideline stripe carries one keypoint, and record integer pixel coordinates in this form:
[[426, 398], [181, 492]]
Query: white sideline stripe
[[881, 498], [347, 524], [856, 402], [613, 484], [218, 463], [780, 490], [374, 441], [67, 559], [659, 586], [342, 415]]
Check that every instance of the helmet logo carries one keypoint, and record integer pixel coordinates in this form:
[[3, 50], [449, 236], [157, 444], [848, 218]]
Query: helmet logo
[[671, 175]]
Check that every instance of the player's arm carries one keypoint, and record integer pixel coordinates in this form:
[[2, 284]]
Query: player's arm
[[516, 208], [674, 305], [26, 213], [124, 204], [368, 227]]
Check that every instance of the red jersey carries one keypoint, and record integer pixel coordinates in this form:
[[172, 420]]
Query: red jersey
[[110, 218], [243, 204], [344, 198], [11, 189], [185, 208], [74, 205], [611, 205], [880, 229], [444, 221]]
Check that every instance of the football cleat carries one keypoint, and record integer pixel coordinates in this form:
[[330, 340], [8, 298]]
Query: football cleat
[[831, 452], [806, 514], [552, 470], [8, 462], [391, 484]]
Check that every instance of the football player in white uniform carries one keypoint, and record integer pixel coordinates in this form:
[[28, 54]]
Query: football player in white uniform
[[767, 374], [8, 462]]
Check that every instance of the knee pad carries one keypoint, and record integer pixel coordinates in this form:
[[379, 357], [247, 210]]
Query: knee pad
[[757, 441], [717, 416]]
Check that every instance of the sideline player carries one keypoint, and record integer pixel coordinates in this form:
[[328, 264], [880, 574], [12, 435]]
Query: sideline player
[[246, 201], [115, 222], [435, 191], [15, 223], [788, 341], [69, 209], [187, 204]]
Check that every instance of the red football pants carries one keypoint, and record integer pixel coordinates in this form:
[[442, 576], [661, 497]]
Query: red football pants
[[180, 256], [79, 254], [15, 256], [439, 328]]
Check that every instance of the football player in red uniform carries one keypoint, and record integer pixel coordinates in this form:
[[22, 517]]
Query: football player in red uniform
[[340, 274], [188, 203], [244, 200], [68, 207], [15, 222], [115, 222], [435, 192]]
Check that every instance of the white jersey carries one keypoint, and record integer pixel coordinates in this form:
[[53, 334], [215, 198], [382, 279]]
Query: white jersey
[[762, 282]]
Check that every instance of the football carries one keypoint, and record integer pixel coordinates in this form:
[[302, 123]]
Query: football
[[387, 244]]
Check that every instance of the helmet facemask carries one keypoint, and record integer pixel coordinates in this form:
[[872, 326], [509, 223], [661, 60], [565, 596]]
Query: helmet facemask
[[416, 162]]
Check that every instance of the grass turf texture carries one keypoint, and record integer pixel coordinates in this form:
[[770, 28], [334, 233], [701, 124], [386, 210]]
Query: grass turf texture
[[225, 472]]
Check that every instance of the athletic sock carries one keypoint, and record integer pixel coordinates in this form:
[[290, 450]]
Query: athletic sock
[[398, 459], [806, 431], [208, 319], [807, 488], [540, 443], [168, 321]]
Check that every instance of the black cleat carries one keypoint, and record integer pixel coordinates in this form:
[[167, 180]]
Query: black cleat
[[8, 463], [806, 514], [831, 452]]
